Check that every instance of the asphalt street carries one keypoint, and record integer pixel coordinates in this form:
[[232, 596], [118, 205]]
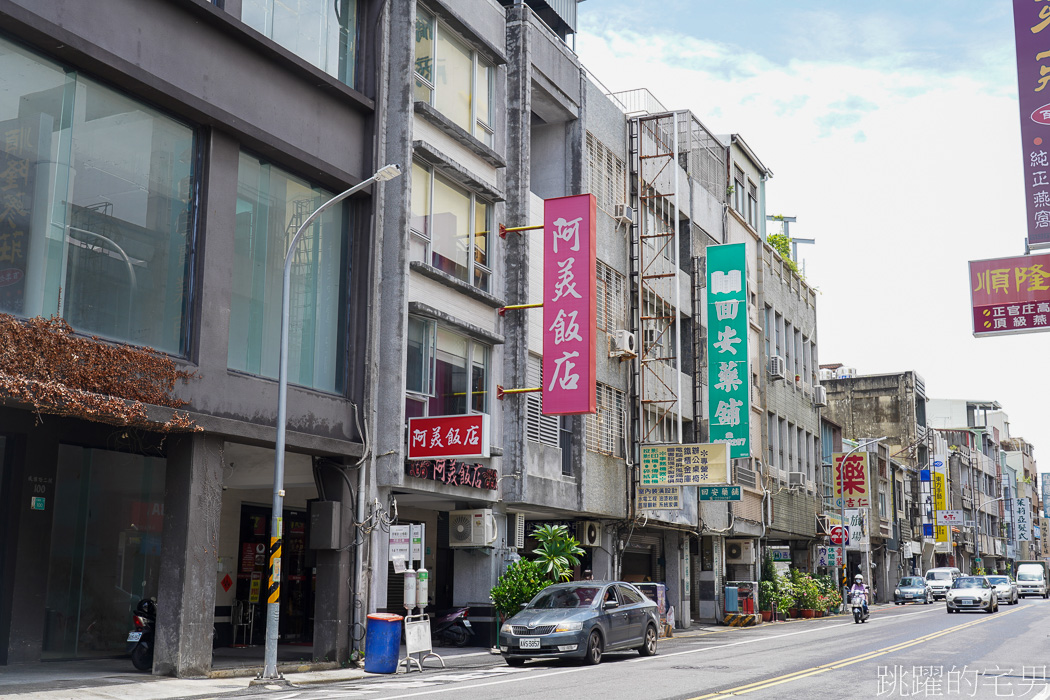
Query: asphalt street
[[909, 651]]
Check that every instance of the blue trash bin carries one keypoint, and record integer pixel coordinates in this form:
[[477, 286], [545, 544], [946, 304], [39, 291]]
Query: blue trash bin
[[382, 642]]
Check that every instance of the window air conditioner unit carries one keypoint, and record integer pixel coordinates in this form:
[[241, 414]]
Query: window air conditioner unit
[[516, 530], [777, 367], [589, 533], [797, 480], [624, 344], [623, 213], [471, 528], [820, 396], [740, 552]]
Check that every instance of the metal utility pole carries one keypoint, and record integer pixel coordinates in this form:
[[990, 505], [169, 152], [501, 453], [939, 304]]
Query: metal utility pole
[[273, 594], [787, 220]]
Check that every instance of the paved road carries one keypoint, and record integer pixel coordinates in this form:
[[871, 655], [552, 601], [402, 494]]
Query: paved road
[[913, 651]]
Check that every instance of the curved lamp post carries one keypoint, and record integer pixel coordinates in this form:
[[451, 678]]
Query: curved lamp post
[[273, 605]]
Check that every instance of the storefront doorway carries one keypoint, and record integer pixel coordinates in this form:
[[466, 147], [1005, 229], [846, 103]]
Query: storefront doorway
[[105, 549]]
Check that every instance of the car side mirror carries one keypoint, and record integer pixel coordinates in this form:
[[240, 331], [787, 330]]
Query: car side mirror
[[524, 605], [610, 604]]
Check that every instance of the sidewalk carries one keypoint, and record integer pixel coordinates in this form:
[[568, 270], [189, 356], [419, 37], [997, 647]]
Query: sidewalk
[[233, 669]]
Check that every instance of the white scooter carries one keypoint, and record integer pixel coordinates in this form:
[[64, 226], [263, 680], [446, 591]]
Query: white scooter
[[860, 614]]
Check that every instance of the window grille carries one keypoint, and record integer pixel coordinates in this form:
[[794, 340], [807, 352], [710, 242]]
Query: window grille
[[607, 175], [538, 427], [612, 299], [605, 428]]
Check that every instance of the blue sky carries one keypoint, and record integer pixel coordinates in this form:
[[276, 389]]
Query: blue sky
[[892, 131]]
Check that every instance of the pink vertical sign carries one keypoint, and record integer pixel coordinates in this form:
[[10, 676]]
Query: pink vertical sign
[[569, 305]]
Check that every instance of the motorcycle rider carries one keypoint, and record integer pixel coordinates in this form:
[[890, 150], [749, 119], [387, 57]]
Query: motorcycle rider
[[859, 587]]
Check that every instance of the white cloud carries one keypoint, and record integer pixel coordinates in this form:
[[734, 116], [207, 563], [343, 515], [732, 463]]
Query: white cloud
[[901, 175]]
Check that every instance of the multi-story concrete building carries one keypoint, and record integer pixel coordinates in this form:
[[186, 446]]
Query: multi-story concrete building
[[162, 155]]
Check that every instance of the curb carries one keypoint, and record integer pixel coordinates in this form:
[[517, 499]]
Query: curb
[[248, 671]]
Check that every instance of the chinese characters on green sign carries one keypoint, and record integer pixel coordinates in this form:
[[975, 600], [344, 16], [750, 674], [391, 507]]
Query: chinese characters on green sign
[[694, 465], [720, 493], [728, 404]]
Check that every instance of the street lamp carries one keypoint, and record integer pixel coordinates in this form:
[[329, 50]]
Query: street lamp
[[977, 526], [842, 501], [273, 605]]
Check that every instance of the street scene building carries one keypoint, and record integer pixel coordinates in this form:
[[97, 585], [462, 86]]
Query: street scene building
[[167, 239]]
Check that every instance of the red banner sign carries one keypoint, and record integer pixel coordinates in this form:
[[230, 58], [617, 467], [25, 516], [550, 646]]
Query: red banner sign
[[449, 436], [1010, 295], [569, 305]]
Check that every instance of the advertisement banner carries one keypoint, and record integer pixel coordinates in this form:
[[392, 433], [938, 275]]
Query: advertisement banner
[[1032, 36], [659, 497], [850, 478], [436, 437], [1044, 480], [1010, 295], [729, 393], [570, 299], [1022, 520], [940, 502], [695, 465]]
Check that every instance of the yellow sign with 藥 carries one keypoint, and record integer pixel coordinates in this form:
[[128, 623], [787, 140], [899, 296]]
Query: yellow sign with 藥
[[940, 502], [685, 465]]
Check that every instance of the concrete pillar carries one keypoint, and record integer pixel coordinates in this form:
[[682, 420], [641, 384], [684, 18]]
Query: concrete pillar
[[332, 611], [189, 556], [674, 574]]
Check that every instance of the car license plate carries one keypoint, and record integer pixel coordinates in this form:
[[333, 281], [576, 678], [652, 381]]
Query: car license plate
[[529, 642], [134, 636], [967, 601]]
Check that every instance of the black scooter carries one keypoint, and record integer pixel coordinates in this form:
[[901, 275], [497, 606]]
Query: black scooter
[[140, 639], [452, 627]]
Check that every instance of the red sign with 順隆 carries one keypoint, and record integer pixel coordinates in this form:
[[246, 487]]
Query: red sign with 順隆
[[448, 436], [1010, 295], [569, 305]]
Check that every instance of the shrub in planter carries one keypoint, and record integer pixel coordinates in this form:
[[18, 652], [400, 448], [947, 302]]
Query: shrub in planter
[[767, 591], [519, 584]]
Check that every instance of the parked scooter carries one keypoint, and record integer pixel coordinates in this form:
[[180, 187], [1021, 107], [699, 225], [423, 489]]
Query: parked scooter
[[860, 612], [452, 627], [140, 639]]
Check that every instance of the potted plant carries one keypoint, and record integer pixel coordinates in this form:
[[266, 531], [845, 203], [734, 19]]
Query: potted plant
[[785, 597], [518, 585], [808, 596], [558, 551], [767, 591]]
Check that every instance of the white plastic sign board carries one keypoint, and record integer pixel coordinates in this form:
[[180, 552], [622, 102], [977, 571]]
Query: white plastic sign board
[[417, 635], [949, 517]]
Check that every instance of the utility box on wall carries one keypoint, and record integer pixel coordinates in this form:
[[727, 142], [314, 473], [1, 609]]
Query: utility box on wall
[[325, 518]]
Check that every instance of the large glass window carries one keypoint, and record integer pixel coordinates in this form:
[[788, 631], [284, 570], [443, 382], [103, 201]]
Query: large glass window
[[271, 205], [453, 78], [446, 373], [96, 198], [321, 32], [450, 227], [105, 549]]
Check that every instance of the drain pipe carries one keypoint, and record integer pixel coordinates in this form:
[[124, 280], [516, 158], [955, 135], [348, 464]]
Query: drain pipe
[[357, 607]]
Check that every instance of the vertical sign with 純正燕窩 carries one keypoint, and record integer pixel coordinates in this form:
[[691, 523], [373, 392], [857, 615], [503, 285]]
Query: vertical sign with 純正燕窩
[[1032, 36], [569, 305], [729, 402]]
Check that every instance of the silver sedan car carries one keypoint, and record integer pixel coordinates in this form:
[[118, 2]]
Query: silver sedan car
[[1005, 588], [582, 619]]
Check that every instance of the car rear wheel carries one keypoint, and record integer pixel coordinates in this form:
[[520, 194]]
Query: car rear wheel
[[648, 647], [593, 656], [514, 661]]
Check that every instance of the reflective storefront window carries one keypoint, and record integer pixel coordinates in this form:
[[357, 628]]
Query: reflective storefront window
[[321, 32], [97, 197], [105, 549], [271, 205]]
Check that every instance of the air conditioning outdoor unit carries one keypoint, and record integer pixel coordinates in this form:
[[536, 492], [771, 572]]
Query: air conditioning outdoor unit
[[624, 344], [797, 480], [740, 552], [845, 372], [589, 533], [516, 530], [820, 396], [823, 525], [777, 367], [471, 528], [623, 213], [827, 374]]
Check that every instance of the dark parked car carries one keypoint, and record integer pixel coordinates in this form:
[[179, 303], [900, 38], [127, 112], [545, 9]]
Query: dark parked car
[[912, 589], [582, 619]]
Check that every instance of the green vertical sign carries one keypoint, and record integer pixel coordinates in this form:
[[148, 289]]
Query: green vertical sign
[[728, 378]]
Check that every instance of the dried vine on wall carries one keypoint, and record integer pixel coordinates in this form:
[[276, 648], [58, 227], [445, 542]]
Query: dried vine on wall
[[45, 364]]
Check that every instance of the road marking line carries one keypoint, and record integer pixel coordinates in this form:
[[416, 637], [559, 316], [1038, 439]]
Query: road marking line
[[835, 665]]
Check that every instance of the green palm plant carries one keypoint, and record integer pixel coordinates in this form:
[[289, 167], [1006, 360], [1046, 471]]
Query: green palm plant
[[558, 551]]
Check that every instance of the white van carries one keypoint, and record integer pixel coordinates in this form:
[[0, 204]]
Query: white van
[[941, 579], [1031, 578]]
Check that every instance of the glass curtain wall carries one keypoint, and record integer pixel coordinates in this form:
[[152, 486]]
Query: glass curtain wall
[[321, 32], [271, 205], [105, 549], [98, 196]]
